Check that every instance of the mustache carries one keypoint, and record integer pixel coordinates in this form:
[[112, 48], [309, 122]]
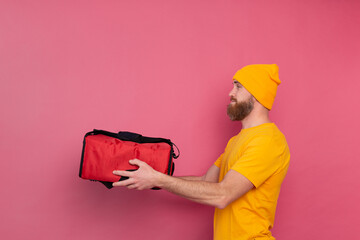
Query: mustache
[[233, 99]]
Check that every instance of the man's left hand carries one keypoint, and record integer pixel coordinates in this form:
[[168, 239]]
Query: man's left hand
[[144, 177]]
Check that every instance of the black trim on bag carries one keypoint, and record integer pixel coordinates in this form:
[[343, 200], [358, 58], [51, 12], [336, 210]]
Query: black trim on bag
[[82, 154]]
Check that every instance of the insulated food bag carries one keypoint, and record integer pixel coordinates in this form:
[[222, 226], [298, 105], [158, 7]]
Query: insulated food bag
[[103, 152]]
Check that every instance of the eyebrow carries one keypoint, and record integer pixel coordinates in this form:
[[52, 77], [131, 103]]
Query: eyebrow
[[237, 82]]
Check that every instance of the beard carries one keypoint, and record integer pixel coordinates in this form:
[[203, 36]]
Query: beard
[[240, 110]]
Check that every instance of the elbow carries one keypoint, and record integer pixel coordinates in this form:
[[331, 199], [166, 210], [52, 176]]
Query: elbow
[[220, 206], [222, 202], [224, 197]]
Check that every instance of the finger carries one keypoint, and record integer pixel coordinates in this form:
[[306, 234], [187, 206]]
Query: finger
[[136, 162], [132, 186], [122, 173], [124, 183]]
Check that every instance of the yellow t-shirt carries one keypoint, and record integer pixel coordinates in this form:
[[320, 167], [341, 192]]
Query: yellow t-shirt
[[261, 154]]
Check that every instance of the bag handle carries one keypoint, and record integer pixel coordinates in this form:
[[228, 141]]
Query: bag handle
[[135, 137], [130, 136]]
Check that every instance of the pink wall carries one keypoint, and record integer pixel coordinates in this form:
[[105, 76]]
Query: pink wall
[[164, 68]]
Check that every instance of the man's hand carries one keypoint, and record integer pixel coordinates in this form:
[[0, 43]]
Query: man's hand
[[143, 178]]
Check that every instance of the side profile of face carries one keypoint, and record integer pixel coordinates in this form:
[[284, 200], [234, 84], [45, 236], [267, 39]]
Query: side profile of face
[[242, 102]]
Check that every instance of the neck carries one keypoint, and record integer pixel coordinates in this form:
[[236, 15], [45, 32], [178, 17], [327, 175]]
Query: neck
[[256, 118]]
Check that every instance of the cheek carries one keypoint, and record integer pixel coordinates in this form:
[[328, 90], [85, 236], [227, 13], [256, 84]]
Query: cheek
[[243, 95], [239, 97]]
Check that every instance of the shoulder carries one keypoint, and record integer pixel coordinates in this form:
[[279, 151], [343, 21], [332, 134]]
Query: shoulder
[[267, 134], [268, 141]]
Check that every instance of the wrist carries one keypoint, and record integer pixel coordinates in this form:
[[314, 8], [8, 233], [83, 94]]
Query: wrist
[[159, 179]]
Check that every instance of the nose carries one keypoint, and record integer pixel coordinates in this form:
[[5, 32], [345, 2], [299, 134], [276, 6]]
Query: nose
[[231, 93]]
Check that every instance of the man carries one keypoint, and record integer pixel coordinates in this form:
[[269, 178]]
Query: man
[[244, 182]]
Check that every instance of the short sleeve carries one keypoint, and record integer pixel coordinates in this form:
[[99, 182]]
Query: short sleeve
[[259, 160], [218, 161]]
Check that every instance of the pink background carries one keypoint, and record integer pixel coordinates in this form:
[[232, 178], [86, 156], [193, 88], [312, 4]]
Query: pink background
[[164, 68]]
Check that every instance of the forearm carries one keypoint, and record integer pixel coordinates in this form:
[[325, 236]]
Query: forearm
[[191, 178], [212, 175], [209, 193]]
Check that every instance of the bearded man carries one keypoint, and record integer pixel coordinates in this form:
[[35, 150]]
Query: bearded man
[[244, 182]]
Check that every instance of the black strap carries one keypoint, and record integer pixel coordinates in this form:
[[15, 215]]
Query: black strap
[[135, 137], [174, 155], [130, 136]]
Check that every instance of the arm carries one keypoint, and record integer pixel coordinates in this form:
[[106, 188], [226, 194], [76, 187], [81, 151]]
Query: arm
[[212, 175], [218, 194], [191, 178]]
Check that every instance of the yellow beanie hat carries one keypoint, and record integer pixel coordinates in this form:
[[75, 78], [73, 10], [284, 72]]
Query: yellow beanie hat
[[261, 80]]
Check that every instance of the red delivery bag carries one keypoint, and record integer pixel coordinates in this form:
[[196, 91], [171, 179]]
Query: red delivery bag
[[103, 152]]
